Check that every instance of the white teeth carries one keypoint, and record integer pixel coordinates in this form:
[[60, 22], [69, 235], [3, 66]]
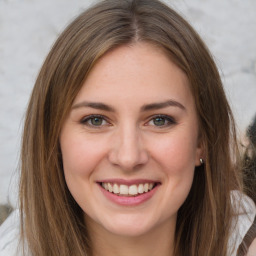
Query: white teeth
[[141, 188], [133, 190], [105, 185], [126, 190], [116, 189], [110, 189]]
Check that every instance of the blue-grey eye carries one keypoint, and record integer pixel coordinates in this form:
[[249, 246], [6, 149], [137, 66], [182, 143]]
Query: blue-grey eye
[[96, 121], [159, 121]]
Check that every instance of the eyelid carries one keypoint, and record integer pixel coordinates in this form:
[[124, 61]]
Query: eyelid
[[85, 119], [171, 120]]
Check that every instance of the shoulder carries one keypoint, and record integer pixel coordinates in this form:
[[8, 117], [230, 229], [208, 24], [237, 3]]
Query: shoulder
[[244, 215], [9, 235], [252, 249]]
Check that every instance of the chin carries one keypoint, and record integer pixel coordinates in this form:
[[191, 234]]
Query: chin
[[128, 230], [128, 226]]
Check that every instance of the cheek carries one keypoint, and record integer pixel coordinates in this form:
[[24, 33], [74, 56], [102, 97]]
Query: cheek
[[177, 153], [80, 160], [80, 156], [178, 164], [177, 157]]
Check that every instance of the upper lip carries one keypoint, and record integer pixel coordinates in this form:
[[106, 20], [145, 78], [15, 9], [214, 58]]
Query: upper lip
[[127, 182]]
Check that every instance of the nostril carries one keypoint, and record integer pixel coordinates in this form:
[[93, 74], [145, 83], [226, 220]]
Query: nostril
[[128, 160], [127, 149]]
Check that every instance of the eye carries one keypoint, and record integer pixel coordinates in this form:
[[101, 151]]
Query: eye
[[95, 121], [161, 121]]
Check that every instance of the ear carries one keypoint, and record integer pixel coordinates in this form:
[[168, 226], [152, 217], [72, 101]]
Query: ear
[[200, 152]]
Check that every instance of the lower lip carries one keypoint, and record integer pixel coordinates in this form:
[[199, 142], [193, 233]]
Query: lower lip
[[129, 200]]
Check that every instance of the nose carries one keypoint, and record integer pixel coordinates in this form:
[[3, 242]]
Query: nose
[[128, 150]]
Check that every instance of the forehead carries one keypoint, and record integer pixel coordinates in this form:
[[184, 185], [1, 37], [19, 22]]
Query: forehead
[[142, 71]]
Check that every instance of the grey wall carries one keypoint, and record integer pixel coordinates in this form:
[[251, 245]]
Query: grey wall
[[29, 27]]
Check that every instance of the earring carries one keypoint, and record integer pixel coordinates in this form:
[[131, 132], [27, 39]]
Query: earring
[[201, 161]]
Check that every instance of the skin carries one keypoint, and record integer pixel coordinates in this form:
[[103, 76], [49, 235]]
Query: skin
[[131, 143], [252, 249]]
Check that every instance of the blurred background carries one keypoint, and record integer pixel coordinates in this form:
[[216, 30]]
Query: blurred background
[[28, 28]]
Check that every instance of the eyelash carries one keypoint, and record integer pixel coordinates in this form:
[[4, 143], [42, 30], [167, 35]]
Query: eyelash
[[167, 119], [87, 119]]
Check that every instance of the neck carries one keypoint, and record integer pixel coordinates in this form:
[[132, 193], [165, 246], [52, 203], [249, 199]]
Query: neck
[[159, 241]]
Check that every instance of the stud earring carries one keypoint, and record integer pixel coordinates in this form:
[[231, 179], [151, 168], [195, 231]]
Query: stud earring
[[201, 161]]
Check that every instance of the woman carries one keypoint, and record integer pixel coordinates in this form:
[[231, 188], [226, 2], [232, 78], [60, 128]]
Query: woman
[[249, 179], [129, 138], [249, 161]]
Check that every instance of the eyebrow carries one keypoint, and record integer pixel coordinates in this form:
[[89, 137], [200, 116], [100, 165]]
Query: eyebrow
[[159, 105], [96, 105], [146, 107]]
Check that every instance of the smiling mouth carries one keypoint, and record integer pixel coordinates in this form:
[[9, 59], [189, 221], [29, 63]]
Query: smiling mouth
[[128, 190]]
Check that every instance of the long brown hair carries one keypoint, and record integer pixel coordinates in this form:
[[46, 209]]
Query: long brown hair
[[52, 222]]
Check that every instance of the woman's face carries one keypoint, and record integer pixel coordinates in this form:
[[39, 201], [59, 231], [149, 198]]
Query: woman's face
[[130, 143]]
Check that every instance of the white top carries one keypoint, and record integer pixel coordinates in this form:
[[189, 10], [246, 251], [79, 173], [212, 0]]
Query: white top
[[9, 235], [9, 230]]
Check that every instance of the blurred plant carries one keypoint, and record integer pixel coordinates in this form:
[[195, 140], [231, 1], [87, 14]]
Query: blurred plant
[[249, 178], [249, 162]]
